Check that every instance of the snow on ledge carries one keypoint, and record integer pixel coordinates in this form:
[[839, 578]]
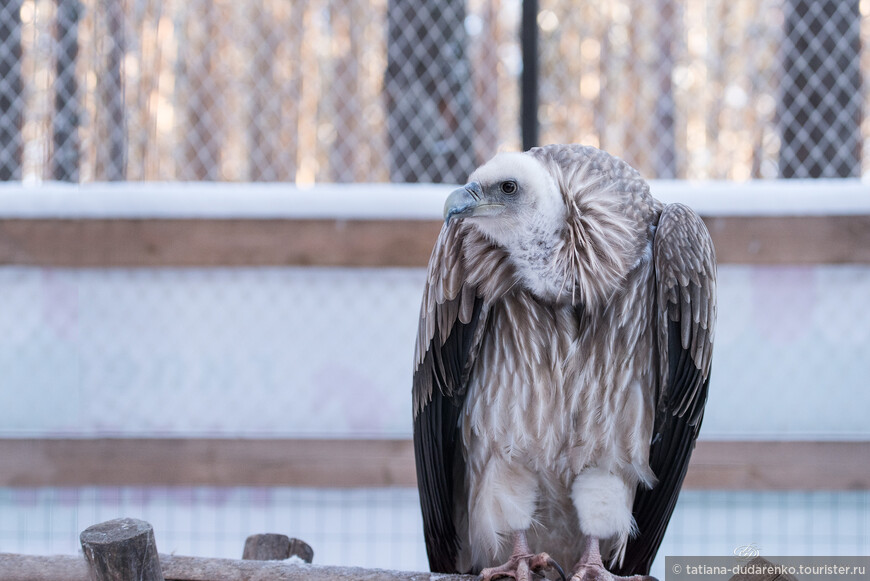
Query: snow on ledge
[[390, 201]]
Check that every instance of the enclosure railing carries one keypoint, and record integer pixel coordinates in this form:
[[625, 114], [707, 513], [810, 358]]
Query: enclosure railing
[[288, 227]]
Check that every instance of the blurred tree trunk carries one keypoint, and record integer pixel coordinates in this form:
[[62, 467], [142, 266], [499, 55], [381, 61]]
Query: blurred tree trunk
[[290, 94], [144, 150], [664, 146], [265, 102], [345, 150], [820, 108], [112, 128], [429, 89], [11, 94], [485, 74], [65, 154], [201, 158]]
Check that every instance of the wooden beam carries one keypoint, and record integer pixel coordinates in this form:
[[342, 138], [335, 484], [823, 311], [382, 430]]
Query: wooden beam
[[371, 243], [207, 462], [766, 465], [738, 465], [208, 242], [791, 239], [181, 568]]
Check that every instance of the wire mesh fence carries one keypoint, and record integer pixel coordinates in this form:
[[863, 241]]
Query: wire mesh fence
[[395, 90], [382, 528], [311, 352]]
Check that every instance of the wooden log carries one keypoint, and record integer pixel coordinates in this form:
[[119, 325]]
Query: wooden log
[[179, 568], [762, 562], [266, 547], [38, 568], [301, 549], [275, 547], [121, 550]]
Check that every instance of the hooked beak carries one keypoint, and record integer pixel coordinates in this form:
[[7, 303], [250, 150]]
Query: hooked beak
[[469, 201]]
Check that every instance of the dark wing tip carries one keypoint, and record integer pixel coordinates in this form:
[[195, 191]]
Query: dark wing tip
[[686, 303]]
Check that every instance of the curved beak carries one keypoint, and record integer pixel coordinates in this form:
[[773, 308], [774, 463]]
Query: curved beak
[[469, 201]]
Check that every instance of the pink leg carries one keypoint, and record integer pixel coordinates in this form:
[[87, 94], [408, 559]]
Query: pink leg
[[591, 567], [521, 563]]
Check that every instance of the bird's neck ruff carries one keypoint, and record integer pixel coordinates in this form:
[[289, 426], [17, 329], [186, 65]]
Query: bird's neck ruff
[[593, 251]]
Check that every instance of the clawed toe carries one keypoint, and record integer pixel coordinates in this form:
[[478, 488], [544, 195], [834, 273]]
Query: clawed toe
[[521, 567], [595, 572], [544, 562]]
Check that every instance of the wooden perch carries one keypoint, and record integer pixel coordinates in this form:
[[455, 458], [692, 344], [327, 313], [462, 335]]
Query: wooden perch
[[773, 576], [176, 568], [121, 549], [272, 547], [124, 550]]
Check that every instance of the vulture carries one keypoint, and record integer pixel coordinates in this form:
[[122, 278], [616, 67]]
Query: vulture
[[561, 368]]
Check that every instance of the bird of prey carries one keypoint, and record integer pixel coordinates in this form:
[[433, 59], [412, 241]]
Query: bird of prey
[[561, 367]]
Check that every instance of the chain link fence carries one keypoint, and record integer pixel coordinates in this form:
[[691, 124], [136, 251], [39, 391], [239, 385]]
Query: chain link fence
[[394, 90], [382, 528], [710, 90], [397, 90]]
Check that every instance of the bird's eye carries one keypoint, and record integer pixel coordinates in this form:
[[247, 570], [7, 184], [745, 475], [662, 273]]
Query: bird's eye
[[509, 187]]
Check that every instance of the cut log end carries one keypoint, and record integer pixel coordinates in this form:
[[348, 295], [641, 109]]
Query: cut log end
[[275, 547], [123, 548]]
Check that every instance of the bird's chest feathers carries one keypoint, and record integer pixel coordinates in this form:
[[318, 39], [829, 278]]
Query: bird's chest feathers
[[515, 392], [546, 381]]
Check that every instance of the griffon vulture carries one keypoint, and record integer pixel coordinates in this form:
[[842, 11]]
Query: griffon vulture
[[562, 365]]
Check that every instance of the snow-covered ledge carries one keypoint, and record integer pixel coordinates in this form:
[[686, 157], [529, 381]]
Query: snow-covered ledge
[[389, 201]]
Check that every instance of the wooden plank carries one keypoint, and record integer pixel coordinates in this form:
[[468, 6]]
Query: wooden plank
[[207, 462], [765, 465], [15, 567], [791, 239], [183, 242], [371, 243], [751, 465]]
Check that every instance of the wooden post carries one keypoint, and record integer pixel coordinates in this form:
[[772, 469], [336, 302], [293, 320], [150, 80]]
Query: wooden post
[[274, 547], [762, 562], [121, 550]]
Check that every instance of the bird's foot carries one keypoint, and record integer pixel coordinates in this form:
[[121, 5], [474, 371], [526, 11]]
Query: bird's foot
[[591, 567], [597, 572], [522, 566]]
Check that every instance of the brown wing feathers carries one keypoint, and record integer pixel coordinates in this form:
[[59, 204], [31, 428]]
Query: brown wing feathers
[[686, 289], [450, 318]]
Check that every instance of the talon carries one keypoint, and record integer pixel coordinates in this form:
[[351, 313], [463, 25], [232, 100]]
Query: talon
[[552, 564], [543, 561]]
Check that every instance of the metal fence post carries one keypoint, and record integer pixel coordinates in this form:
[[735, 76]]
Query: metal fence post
[[529, 91]]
